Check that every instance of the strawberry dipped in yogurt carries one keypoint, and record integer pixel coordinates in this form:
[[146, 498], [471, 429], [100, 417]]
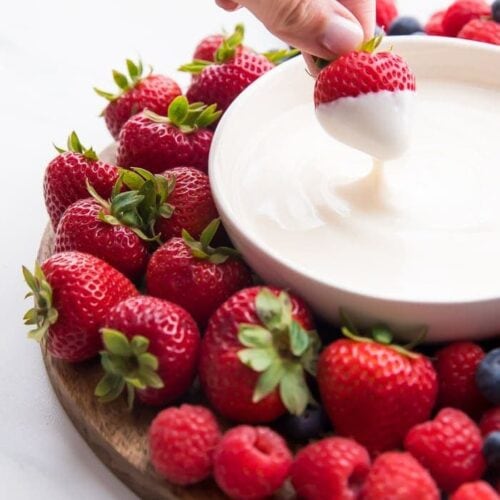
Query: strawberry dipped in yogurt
[[365, 99]]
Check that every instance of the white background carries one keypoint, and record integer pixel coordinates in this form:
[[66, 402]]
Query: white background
[[52, 52]]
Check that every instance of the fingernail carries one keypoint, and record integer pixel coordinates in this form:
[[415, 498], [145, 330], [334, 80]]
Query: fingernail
[[342, 35]]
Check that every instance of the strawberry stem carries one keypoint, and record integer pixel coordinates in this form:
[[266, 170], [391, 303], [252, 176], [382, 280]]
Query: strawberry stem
[[203, 250]]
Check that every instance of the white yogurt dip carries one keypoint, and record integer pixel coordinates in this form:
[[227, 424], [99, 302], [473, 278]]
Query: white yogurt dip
[[425, 226], [378, 124]]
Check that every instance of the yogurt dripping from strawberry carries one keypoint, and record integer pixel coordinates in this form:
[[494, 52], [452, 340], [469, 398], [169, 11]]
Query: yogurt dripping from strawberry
[[365, 100]]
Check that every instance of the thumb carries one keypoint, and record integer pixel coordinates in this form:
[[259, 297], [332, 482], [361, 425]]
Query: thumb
[[324, 28]]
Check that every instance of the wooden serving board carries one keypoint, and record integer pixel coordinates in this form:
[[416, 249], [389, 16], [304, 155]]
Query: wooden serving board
[[118, 437]]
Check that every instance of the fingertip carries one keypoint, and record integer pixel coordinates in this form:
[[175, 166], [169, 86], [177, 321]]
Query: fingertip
[[228, 5], [342, 35]]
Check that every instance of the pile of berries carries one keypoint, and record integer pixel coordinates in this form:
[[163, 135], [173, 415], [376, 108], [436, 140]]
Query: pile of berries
[[144, 276], [469, 19]]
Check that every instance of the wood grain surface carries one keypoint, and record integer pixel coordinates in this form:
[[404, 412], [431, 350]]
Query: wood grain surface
[[118, 437]]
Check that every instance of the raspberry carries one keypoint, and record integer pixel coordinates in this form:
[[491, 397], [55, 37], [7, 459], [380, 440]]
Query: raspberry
[[251, 462], [398, 476], [478, 490], [461, 12], [181, 443], [449, 447], [481, 31], [490, 421], [456, 367], [434, 25], [386, 13], [333, 468]]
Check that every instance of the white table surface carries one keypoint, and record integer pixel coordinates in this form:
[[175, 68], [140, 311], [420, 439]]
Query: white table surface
[[51, 54]]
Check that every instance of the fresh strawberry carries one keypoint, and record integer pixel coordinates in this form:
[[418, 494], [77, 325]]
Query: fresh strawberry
[[83, 229], [214, 48], [456, 366], [231, 72], [386, 12], [349, 85], [363, 72], [434, 25], [192, 202], [67, 174], [195, 275], [398, 476], [158, 143], [151, 348], [332, 468], [255, 354], [481, 30], [490, 421], [478, 490], [207, 48], [181, 443], [449, 447], [136, 93], [73, 292], [460, 12], [375, 392], [251, 463]]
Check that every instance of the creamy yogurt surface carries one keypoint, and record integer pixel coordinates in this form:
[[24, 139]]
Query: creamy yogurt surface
[[425, 226]]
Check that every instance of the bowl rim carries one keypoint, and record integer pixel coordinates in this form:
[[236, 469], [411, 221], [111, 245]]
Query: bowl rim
[[226, 210]]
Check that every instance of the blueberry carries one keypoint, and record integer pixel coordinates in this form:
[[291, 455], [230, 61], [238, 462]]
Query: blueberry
[[313, 423], [488, 376], [495, 10], [491, 449], [404, 25]]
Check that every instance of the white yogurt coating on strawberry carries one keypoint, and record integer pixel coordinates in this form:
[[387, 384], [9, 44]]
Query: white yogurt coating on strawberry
[[378, 123], [425, 226]]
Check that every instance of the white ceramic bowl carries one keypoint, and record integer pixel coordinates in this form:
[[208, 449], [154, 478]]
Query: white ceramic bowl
[[284, 88]]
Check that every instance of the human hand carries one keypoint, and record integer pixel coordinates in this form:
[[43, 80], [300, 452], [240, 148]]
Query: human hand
[[323, 28]]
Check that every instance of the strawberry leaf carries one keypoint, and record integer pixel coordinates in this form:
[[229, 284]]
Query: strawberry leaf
[[254, 335], [294, 392], [268, 381]]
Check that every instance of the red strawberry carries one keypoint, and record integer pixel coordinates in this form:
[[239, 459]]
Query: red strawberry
[[434, 26], [256, 350], [216, 47], [490, 421], [73, 292], [375, 392], [456, 366], [449, 447], [181, 443], [481, 30], [195, 275], [151, 348], [67, 174], [207, 48], [460, 12], [192, 202], [398, 476], [251, 463], [82, 229], [157, 143], [479, 490], [137, 93], [386, 12], [231, 72], [330, 469], [363, 72]]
